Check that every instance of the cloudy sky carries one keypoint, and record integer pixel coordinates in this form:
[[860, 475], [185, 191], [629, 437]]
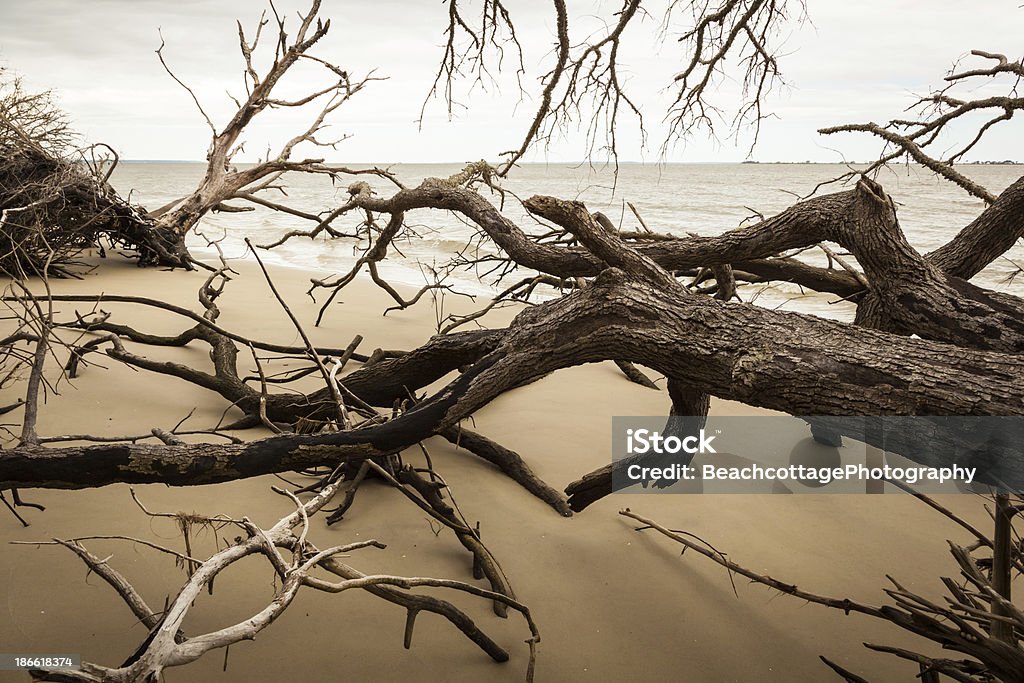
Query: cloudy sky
[[854, 62]]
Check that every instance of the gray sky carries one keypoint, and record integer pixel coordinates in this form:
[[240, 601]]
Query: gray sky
[[856, 62]]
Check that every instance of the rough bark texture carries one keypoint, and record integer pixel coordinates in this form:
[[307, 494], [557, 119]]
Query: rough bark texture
[[633, 311], [986, 238], [798, 364], [926, 342]]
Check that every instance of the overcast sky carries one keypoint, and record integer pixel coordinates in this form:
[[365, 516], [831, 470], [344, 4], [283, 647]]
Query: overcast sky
[[857, 61]]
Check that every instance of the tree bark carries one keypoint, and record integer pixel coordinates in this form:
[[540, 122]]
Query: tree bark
[[797, 364]]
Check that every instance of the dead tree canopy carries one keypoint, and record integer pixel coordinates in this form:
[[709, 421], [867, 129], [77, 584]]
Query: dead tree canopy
[[283, 47], [966, 364], [55, 199], [55, 194], [951, 347]]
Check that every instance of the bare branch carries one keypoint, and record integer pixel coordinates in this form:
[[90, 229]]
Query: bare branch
[[192, 94]]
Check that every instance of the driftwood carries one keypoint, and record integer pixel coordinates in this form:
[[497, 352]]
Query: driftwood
[[56, 200], [925, 340], [634, 311], [971, 621], [619, 318], [167, 646]]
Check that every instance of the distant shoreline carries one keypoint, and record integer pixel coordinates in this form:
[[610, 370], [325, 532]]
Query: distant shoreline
[[1005, 162]]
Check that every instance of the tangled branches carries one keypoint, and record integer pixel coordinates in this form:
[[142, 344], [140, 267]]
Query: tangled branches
[[743, 31], [974, 619], [585, 85], [55, 201], [224, 181], [940, 111], [297, 564]]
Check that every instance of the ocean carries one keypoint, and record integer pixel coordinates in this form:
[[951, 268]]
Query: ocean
[[702, 198]]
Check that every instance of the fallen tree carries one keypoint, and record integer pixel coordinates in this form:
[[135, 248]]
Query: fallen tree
[[167, 646], [57, 200], [925, 340], [633, 311], [797, 364]]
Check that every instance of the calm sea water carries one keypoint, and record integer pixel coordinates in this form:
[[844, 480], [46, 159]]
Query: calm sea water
[[679, 198]]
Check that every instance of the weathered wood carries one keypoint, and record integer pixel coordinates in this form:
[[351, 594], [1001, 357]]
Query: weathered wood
[[986, 238], [798, 364]]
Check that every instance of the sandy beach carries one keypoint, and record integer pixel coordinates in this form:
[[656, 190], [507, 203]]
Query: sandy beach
[[611, 604], [707, 362]]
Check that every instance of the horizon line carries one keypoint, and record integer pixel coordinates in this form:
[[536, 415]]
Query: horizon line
[[751, 162]]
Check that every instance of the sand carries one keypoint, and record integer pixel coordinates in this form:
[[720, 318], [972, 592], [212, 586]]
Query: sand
[[611, 603]]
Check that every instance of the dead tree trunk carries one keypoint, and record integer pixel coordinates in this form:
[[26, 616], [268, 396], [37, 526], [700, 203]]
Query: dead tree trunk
[[798, 364], [223, 181]]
